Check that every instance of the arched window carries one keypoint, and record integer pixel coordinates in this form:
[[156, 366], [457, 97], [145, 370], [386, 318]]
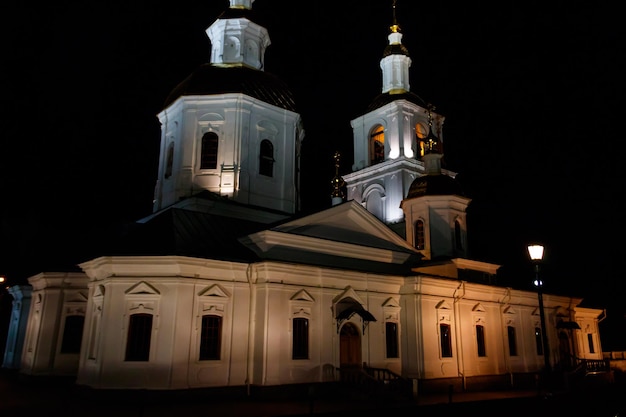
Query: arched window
[[458, 237], [480, 340], [391, 335], [139, 336], [421, 131], [266, 158], [300, 338], [377, 145], [208, 152], [72, 334], [419, 235], [445, 337], [169, 165], [210, 338]]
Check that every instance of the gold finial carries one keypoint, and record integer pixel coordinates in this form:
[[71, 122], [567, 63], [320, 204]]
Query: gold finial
[[431, 143]]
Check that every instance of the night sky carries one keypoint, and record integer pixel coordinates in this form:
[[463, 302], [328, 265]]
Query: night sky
[[532, 93]]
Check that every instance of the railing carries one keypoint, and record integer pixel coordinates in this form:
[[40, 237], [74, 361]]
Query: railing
[[588, 366], [376, 380]]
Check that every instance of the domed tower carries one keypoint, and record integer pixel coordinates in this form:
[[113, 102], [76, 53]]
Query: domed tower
[[435, 208], [230, 128], [388, 137]]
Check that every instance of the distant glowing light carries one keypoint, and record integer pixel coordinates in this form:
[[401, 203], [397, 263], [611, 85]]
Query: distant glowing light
[[535, 252]]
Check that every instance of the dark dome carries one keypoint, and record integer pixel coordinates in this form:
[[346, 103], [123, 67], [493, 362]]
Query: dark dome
[[210, 79], [439, 184], [386, 98], [395, 49]]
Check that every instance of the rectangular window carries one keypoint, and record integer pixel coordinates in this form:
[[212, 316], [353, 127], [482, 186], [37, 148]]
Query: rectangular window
[[480, 340], [592, 349], [510, 330], [391, 334], [72, 334], [446, 340], [139, 336], [300, 338], [538, 341], [210, 338]]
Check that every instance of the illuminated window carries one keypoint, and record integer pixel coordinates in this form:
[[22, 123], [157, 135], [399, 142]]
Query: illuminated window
[[170, 160], [300, 338], [391, 335], [538, 342], [510, 330], [139, 336], [445, 337], [266, 162], [377, 145], [208, 153], [480, 340], [210, 338], [72, 334], [421, 131], [419, 235]]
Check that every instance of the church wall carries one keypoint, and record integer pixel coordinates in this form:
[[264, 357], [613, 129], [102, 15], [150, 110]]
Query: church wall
[[177, 305], [280, 128], [54, 296], [285, 292], [17, 325], [436, 310]]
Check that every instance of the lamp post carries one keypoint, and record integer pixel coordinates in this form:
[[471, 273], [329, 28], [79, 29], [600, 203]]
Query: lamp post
[[536, 255]]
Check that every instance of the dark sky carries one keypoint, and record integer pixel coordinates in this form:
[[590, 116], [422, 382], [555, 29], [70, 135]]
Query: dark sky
[[532, 93]]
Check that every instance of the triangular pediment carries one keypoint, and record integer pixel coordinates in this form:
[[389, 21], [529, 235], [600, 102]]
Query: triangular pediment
[[142, 288], [391, 302], [478, 307], [76, 297], [302, 295], [347, 230], [214, 290], [509, 310], [348, 293]]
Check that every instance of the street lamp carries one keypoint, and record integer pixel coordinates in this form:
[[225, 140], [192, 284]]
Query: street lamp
[[536, 255]]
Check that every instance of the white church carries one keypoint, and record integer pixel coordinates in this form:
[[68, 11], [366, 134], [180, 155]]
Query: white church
[[226, 284]]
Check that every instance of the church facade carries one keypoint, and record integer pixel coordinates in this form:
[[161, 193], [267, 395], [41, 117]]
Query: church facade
[[227, 285]]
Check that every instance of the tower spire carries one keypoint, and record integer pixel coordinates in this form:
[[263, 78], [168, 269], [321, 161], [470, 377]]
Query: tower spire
[[396, 61], [394, 26]]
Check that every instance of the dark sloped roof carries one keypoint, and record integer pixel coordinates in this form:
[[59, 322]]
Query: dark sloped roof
[[211, 79], [440, 184], [188, 233], [386, 98], [250, 14], [395, 49]]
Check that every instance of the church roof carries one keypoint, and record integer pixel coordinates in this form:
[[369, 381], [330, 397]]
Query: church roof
[[386, 98], [439, 184], [212, 79], [395, 49], [191, 233]]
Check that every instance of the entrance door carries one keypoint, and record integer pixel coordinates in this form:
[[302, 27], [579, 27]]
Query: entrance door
[[349, 346]]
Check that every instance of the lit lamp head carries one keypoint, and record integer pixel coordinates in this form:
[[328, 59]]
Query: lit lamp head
[[536, 255]]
